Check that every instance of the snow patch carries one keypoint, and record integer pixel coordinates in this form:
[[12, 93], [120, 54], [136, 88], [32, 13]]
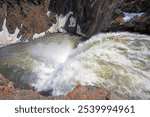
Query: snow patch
[[61, 21], [72, 22], [6, 38], [129, 16], [48, 13], [79, 31], [36, 35], [26, 41]]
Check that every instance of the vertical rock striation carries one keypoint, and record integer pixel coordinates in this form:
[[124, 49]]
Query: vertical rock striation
[[91, 15], [95, 16], [139, 24]]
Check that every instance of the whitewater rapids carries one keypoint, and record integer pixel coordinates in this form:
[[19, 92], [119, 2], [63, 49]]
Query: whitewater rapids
[[119, 62]]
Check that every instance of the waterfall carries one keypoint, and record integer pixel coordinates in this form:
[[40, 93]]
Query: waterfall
[[117, 61]]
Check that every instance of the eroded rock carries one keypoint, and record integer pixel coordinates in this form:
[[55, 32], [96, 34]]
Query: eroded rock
[[30, 16]]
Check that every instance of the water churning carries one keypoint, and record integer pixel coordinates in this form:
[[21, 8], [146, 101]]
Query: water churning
[[120, 62]]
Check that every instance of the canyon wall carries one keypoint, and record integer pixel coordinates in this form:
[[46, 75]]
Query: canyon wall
[[91, 16], [95, 16]]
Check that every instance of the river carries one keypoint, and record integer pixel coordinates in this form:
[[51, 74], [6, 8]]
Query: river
[[119, 62]]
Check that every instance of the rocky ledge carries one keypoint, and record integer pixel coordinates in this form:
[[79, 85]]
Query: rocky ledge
[[8, 92]]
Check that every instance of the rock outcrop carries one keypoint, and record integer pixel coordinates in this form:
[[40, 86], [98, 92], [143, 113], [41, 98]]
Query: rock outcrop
[[30, 16], [92, 16], [139, 24], [8, 92], [95, 16], [92, 93]]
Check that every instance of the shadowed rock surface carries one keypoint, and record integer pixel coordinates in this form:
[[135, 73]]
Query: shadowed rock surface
[[95, 16], [139, 24], [92, 15]]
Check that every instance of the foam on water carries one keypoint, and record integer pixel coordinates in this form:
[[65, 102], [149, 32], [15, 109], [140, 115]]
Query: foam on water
[[117, 61], [48, 58]]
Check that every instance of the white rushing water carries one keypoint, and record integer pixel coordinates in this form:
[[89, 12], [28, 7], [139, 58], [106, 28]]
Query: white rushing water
[[119, 62]]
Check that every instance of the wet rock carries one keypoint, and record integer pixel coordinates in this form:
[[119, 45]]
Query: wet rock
[[46, 93]]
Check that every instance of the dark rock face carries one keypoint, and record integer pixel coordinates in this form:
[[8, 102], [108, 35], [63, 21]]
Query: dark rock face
[[95, 16], [136, 6], [139, 24], [92, 15]]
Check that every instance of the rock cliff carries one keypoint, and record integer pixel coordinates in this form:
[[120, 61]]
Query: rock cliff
[[138, 23], [91, 16], [95, 16]]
